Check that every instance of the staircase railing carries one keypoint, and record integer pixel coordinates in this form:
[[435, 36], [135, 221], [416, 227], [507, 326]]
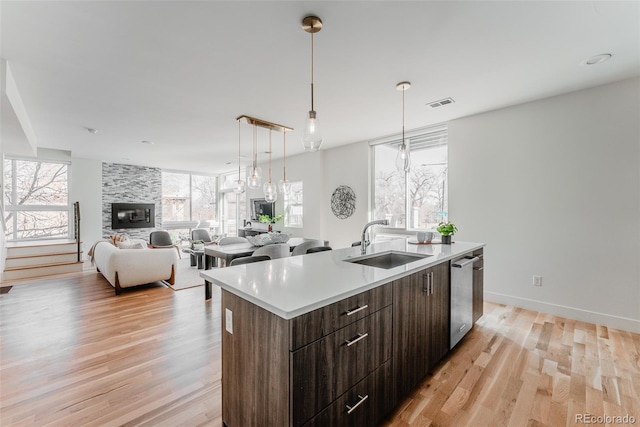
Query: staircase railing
[[76, 225]]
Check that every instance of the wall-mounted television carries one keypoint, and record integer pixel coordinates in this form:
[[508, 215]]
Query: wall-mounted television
[[133, 215], [262, 207]]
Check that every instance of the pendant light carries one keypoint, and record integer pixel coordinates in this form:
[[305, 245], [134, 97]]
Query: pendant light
[[255, 174], [403, 159], [269, 188], [239, 184], [311, 138], [284, 186]]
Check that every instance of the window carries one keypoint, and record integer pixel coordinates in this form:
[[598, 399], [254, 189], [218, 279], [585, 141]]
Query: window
[[418, 199], [293, 206], [188, 201], [234, 206], [36, 199]]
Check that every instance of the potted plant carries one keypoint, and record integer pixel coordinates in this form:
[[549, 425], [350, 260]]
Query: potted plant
[[268, 219], [197, 245], [446, 229]]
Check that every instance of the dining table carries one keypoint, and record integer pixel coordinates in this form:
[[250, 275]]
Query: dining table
[[227, 253]]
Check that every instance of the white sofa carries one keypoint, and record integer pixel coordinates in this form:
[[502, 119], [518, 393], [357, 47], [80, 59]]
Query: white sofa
[[124, 268]]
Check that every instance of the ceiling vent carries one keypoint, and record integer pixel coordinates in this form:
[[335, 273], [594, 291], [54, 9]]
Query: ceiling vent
[[440, 103]]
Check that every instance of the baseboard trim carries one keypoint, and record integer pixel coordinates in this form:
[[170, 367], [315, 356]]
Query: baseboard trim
[[604, 319]]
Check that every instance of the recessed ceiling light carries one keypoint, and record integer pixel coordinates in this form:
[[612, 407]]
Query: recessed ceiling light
[[148, 142], [92, 131], [597, 59], [227, 163]]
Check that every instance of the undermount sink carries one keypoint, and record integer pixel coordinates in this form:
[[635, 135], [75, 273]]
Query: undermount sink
[[387, 260]]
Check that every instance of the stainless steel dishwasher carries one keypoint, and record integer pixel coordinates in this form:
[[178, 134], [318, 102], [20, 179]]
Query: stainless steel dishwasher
[[461, 298]]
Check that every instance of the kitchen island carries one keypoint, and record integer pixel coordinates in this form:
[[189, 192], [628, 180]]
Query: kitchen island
[[319, 340]]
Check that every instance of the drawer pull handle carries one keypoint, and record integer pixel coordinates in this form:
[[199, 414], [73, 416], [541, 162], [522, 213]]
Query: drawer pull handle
[[355, 340], [478, 268], [355, 310], [350, 409]]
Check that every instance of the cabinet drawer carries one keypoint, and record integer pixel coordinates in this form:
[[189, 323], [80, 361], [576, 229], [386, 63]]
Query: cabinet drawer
[[323, 321], [363, 405], [327, 368]]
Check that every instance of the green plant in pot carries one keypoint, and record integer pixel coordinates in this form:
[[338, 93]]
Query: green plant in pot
[[446, 229], [197, 244], [268, 219]]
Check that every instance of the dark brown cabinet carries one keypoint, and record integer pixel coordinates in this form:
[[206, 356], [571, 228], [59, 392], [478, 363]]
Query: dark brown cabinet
[[478, 285], [421, 325], [438, 314], [345, 364], [364, 405], [310, 368], [325, 369]]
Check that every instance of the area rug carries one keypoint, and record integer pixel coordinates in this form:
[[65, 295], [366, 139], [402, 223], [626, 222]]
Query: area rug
[[186, 276]]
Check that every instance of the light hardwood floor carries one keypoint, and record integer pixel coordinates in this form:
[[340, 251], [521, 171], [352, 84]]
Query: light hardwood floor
[[74, 354]]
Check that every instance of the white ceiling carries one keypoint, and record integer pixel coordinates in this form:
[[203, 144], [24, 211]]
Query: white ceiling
[[179, 73]]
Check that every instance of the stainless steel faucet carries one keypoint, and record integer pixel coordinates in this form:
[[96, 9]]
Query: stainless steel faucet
[[364, 242]]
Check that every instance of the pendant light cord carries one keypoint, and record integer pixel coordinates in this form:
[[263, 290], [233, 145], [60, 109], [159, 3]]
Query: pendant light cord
[[238, 150], [312, 71], [403, 90], [284, 156], [269, 156], [255, 148]]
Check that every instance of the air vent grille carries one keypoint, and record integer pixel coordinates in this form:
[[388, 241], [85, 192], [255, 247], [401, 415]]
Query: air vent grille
[[441, 102]]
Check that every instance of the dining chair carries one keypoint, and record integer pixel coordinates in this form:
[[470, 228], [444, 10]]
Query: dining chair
[[301, 249], [231, 240], [161, 239], [249, 259], [200, 234], [318, 249], [278, 250]]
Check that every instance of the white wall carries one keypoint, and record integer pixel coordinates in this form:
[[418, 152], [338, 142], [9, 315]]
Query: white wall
[[347, 165], [553, 188], [321, 173], [308, 168], [86, 188]]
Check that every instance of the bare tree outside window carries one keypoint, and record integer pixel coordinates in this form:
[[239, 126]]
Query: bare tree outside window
[[189, 201], [293, 207], [36, 198], [204, 196], [176, 197], [417, 199]]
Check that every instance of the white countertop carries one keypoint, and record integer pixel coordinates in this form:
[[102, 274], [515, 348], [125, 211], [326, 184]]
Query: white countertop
[[289, 287]]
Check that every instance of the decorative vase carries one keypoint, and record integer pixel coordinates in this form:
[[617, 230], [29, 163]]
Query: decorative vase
[[446, 240]]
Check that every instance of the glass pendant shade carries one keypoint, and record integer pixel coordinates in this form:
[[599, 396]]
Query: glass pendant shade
[[403, 159], [284, 187], [312, 138], [270, 192], [239, 187], [254, 179]]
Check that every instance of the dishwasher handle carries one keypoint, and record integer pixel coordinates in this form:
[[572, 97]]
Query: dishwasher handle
[[463, 262]]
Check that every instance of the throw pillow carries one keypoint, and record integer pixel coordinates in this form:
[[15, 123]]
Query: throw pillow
[[130, 245], [117, 238]]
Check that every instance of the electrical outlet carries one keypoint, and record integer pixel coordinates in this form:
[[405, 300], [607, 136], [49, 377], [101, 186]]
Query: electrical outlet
[[228, 324], [537, 280]]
